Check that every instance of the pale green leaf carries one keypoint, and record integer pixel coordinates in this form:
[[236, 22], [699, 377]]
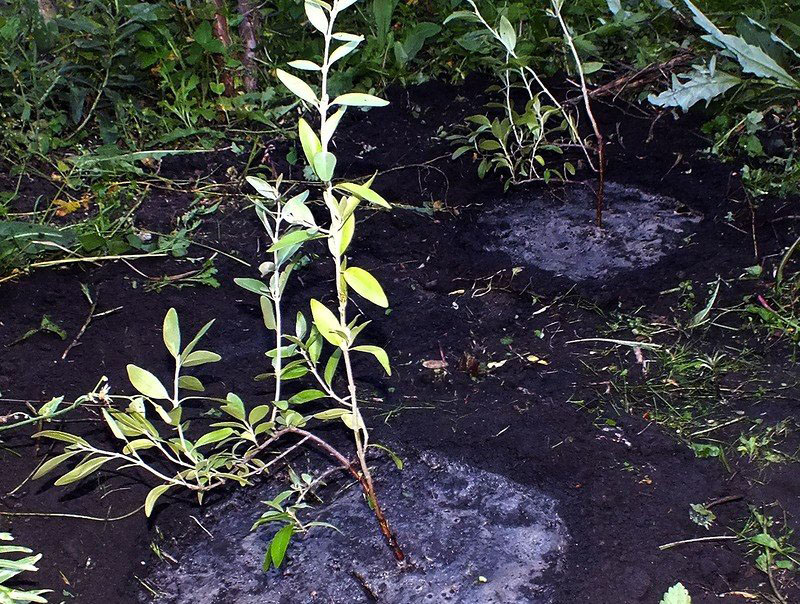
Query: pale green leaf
[[316, 16], [82, 470], [189, 382], [379, 353], [308, 140], [324, 165], [146, 383], [365, 193], [172, 333], [366, 286], [153, 496], [200, 357], [297, 86], [359, 99], [213, 437], [327, 324], [677, 594]]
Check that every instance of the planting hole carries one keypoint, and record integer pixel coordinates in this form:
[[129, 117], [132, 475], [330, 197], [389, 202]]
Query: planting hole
[[560, 236], [507, 537]]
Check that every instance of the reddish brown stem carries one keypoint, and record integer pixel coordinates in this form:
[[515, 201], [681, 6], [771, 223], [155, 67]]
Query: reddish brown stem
[[346, 464], [223, 33]]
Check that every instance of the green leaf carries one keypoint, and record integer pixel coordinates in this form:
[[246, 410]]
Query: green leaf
[[677, 594], [82, 470], [153, 496], [379, 353], [234, 406], [200, 357], [188, 350], [467, 15], [331, 365], [62, 436], [189, 382], [52, 463], [330, 125], [308, 140], [146, 383], [348, 229], [267, 313], [263, 188], [324, 165], [359, 99], [365, 193], [766, 540], [366, 286], [172, 333], [306, 396], [112, 424], [293, 238], [331, 414], [327, 324], [258, 413], [252, 285], [297, 86], [702, 316], [277, 547], [213, 437]]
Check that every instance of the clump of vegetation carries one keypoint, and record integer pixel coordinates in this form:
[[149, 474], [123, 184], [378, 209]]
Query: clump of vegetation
[[153, 429], [11, 566]]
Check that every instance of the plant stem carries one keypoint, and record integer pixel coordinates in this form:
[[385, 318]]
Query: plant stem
[[601, 145]]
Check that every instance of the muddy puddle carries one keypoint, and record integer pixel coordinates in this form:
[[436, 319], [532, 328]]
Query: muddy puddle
[[559, 235], [471, 536]]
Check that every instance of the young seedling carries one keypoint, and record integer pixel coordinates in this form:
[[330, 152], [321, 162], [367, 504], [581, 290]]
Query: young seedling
[[290, 224]]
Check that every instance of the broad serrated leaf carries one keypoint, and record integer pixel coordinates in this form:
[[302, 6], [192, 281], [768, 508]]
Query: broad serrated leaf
[[677, 594], [752, 59], [701, 84]]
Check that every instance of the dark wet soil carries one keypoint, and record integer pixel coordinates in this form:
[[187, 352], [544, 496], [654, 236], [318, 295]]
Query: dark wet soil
[[448, 296]]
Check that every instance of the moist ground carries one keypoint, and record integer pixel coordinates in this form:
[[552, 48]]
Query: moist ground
[[450, 297], [469, 536]]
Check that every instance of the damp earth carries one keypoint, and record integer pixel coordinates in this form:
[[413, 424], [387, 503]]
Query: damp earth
[[559, 234], [469, 536]]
